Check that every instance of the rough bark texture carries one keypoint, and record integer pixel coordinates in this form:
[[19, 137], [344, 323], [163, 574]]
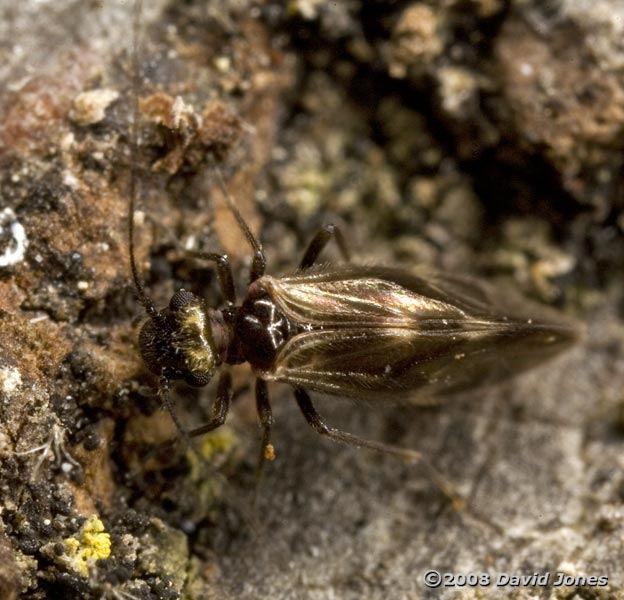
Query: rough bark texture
[[483, 136]]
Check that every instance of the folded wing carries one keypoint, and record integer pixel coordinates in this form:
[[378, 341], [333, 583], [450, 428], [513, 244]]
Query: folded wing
[[371, 332]]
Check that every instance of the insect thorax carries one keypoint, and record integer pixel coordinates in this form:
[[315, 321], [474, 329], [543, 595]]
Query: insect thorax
[[262, 329]]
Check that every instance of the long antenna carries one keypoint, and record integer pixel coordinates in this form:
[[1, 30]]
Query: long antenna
[[143, 298]]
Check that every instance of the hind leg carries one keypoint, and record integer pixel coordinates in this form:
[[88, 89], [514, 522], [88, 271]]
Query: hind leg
[[317, 422]]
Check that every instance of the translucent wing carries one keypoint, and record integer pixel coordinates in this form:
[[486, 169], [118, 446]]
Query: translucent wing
[[376, 332]]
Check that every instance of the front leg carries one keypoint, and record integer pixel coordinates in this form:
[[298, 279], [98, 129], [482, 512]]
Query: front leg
[[164, 392], [220, 408], [224, 273]]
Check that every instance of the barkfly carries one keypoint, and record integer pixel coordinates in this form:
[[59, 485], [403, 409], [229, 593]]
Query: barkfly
[[343, 330]]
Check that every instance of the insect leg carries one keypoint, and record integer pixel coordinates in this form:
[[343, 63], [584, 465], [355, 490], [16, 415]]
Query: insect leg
[[319, 242], [316, 421], [164, 389], [258, 265], [224, 273], [220, 408], [265, 415]]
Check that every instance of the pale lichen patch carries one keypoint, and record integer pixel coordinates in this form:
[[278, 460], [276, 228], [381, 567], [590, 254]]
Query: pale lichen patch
[[90, 107], [15, 250], [10, 380]]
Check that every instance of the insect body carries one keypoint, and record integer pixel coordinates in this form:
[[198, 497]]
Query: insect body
[[359, 332], [370, 332]]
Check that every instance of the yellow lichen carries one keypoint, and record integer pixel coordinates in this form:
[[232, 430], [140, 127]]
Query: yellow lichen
[[218, 442], [90, 543], [214, 448]]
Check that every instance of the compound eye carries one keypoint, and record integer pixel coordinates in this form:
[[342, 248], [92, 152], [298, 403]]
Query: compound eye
[[198, 379], [181, 299]]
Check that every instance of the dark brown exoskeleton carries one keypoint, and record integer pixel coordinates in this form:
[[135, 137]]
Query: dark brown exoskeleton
[[359, 332]]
